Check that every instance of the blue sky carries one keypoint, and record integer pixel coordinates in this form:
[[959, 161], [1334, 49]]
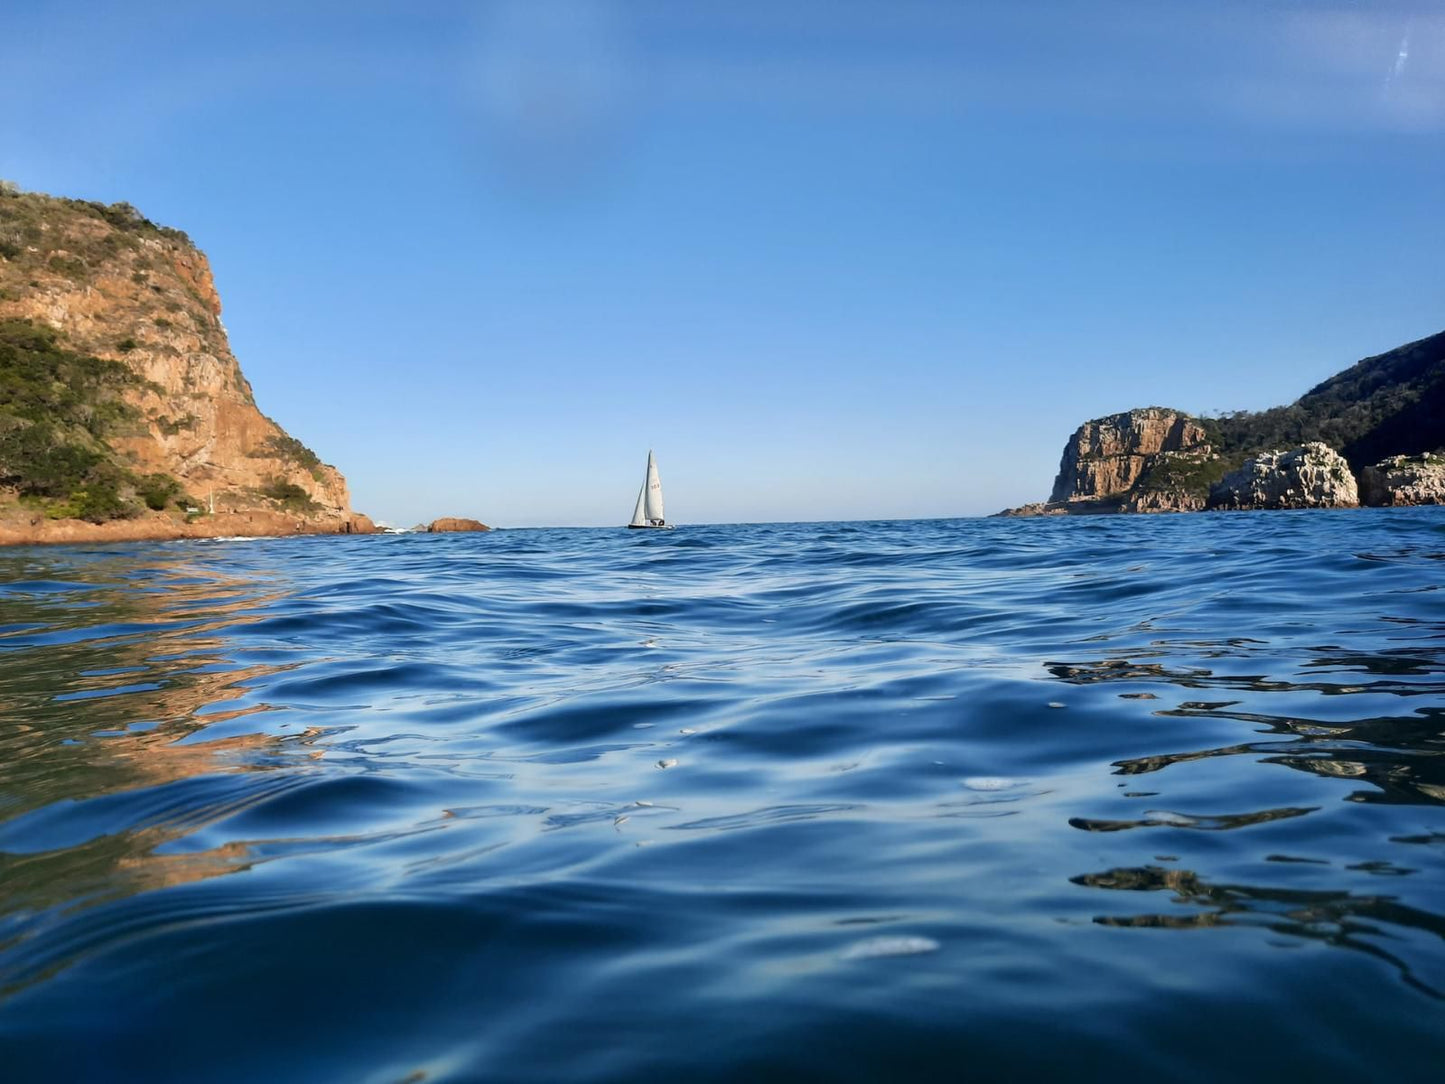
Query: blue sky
[[835, 259]]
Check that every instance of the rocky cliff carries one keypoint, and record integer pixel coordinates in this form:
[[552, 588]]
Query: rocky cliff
[[1307, 454], [87, 281], [1110, 455]]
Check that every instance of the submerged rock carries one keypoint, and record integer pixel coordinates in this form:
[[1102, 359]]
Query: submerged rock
[[1311, 476], [1404, 479]]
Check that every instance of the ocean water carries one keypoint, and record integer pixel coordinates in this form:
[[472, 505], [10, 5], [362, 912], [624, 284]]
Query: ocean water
[[1161, 797]]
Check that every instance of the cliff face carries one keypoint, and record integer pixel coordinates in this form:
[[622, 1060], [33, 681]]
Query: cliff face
[[1108, 456], [116, 286]]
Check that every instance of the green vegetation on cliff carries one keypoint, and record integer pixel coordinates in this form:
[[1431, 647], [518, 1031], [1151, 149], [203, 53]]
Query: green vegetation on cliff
[[1390, 404], [285, 446], [1190, 475], [28, 229], [57, 410], [289, 495]]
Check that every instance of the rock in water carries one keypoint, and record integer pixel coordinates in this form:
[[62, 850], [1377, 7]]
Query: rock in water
[[1404, 479], [1310, 476], [453, 523]]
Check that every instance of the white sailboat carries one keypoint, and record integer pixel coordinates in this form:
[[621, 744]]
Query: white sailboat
[[648, 512]]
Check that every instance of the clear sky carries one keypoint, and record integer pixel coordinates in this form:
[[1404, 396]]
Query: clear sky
[[829, 258]]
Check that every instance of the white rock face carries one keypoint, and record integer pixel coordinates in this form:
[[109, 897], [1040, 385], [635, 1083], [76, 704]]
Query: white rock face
[[1404, 479], [1311, 476]]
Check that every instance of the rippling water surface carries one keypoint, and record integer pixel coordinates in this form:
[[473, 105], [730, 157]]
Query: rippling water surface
[[980, 798]]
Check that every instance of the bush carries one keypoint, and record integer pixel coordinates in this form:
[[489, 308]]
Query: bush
[[100, 501], [291, 496], [171, 426], [1189, 474], [39, 462], [56, 408], [72, 267], [284, 446], [157, 490]]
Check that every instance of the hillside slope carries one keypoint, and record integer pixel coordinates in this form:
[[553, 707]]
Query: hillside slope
[[1389, 404]]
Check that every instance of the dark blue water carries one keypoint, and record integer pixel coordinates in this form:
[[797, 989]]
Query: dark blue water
[[992, 799]]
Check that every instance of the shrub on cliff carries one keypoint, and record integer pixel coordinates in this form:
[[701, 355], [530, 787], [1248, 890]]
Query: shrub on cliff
[[62, 233], [284, 446], [42, 381], [289, 495], [157, 490], [39, 462], [1192, 475], [100, 499], [56, 409]]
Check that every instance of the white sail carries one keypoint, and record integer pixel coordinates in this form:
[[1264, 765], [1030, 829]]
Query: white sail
[[639, 519], [653, 491]]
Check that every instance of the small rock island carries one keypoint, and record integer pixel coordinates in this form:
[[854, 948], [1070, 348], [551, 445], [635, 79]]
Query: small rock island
[[1373, 434]]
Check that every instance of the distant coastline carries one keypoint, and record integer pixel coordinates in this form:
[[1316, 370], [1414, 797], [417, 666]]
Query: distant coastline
[[1372, 435]]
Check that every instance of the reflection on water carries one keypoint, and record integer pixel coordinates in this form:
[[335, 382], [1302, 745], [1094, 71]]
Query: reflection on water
[[789, 801], [97, 770], [1340, 919]]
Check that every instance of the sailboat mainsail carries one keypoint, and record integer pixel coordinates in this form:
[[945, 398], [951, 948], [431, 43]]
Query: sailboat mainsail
[[648, 512]]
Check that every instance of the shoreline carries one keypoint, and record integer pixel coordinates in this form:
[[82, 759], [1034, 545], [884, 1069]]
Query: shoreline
[[161, 528]]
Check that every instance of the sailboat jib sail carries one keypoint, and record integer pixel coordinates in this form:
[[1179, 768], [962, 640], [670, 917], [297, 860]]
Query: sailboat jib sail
[[648, 512]]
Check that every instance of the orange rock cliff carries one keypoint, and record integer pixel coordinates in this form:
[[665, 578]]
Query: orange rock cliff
[[116, 286]]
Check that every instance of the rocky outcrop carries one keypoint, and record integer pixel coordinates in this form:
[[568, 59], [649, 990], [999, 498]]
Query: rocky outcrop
[[1311, 476], [1401, 479], [1163, 500], [119, 287], [1108, 456], [1148, 460], [1036, 508], [449, 524]]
